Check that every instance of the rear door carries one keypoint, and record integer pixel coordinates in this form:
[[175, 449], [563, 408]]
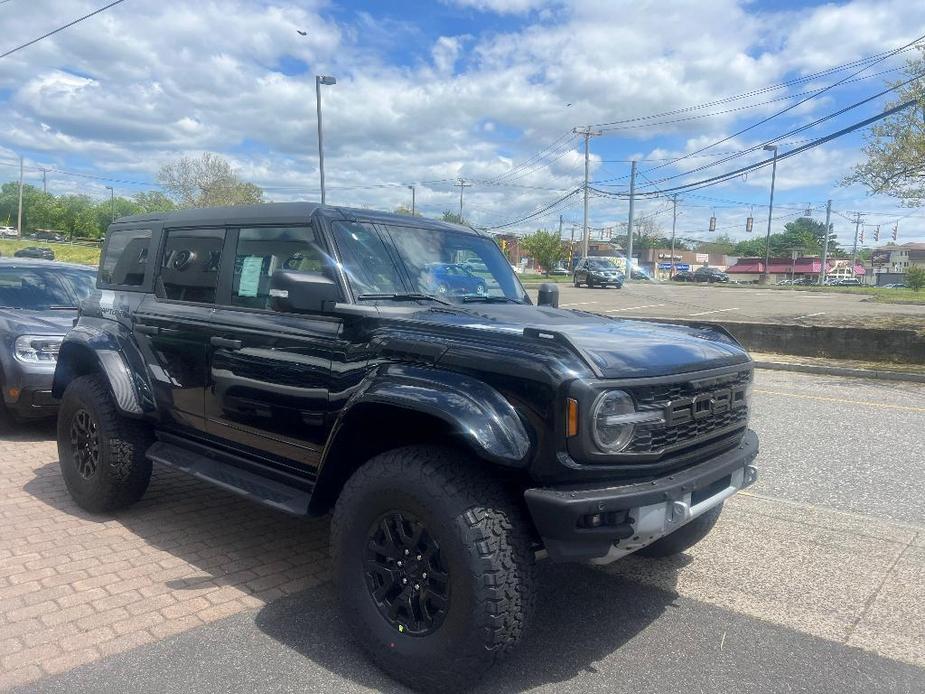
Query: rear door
[[174, 326], [269, 372]]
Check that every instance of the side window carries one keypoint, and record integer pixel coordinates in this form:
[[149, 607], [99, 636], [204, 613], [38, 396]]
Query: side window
[[125, 257], [262, 251], [190, 264]]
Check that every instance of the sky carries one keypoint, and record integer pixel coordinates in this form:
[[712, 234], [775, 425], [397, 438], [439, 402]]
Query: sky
[[485, 90]]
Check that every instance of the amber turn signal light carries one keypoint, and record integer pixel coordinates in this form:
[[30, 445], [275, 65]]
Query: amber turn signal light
[[571, 417]]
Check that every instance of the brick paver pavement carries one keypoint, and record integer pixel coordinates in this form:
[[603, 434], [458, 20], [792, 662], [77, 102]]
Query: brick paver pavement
[[75, 587]]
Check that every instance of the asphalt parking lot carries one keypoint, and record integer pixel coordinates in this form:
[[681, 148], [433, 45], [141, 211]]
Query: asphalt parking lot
[[709, 302], [812, 581]]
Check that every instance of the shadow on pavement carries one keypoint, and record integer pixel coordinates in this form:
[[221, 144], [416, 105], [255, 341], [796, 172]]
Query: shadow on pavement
[[561, 643]]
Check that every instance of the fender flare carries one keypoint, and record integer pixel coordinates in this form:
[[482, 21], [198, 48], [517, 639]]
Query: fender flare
[[88, 349], [474, 413]]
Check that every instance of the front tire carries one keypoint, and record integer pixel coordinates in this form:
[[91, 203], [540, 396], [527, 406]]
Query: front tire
[[101, 453], [684, 537], [434, 566]]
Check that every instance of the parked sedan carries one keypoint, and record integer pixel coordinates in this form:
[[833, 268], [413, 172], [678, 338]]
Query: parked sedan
[[38, 305], [597, 272], [683, 276], [453, 278], [36, 252]]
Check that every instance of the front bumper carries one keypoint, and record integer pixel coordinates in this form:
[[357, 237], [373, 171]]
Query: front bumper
[[27, 391], [638, 513]]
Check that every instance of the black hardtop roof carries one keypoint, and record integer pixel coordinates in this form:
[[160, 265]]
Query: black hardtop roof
[[282, 213]]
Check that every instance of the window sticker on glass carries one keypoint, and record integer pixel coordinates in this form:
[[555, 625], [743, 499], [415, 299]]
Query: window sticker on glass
[[250, 275]]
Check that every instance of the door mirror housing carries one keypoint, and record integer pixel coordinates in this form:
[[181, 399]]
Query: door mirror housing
[[302, 292], [548, 295]]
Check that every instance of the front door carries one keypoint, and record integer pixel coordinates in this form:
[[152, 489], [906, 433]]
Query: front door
[[270, 372]]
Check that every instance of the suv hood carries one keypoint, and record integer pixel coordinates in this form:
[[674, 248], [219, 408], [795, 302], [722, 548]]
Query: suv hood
[[615, 348], [24, 321]]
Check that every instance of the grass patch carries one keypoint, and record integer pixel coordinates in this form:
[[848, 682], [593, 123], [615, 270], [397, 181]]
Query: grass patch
[[66, 253], [879, 294]]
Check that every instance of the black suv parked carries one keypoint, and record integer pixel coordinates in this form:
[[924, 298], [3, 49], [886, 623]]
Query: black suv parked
[[709, 274], [299, 355]]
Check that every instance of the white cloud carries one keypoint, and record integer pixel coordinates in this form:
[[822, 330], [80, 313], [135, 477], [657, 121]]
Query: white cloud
[[148, 82]]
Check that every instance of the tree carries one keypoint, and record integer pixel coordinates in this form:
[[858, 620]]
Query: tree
[[915, 278], [807, 234], [894, 148], [453, 218], [545, 247], [206, 182], [404, 209], [153, 201]]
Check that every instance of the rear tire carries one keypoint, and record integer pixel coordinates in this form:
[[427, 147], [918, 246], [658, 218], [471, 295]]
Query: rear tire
[[473, 539], [684, 537], [101, 453]]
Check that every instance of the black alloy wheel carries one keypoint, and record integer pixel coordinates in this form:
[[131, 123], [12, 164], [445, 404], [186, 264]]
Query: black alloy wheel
[[405, 574], [85, 443]]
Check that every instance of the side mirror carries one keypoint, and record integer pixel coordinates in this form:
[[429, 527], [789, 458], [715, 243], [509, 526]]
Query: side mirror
[[302, 292], [548, 295]]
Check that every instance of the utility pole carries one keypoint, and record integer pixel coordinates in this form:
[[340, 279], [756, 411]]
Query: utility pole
[[674, 224], [767, 239], [854, 251], [19, 218], [825, 244], [587, 133], [462, 185], [412, 200], [112, 202], [629, 227], [45, 181]]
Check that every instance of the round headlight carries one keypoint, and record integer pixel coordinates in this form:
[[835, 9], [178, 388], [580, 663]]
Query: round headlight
[[610, 433]]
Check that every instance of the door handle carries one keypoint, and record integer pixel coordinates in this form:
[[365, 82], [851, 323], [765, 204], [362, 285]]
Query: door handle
[[147, 329], [225, 342]]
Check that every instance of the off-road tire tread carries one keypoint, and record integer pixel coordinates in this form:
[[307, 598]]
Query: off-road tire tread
[[125, 441], [497, 527]]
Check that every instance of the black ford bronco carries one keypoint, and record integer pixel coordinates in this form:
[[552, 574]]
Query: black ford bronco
[[319, 359]]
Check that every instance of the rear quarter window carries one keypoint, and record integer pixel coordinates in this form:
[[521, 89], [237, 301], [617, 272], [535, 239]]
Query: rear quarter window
[[125, 258]]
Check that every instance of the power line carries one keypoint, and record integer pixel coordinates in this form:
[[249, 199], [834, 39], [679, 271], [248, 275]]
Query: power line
[[61, 28], [745, 169], [793, 106], [533, 214], [877, 57], [799, 129]]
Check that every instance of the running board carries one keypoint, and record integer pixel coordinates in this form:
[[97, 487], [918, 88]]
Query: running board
[[232, 478]]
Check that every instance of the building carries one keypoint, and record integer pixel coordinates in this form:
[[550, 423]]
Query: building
[[896, 260], [752, 269], [657, 262]]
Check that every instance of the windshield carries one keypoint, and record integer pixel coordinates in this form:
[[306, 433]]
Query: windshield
[[451, 265], [40, 289], [602, 265]]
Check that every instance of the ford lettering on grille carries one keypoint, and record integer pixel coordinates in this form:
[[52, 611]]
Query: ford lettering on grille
[[704, 405]]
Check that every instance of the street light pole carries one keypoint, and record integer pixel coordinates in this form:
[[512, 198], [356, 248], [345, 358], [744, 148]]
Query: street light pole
[[412, 200], [112, 202], [674, 223], [629, 227], [319, 80], [767, 238]]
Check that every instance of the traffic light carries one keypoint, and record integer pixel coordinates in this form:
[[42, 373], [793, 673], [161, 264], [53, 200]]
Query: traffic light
[[712, 223], [877, 233], [861, 237], [749, 223], [895, 230]]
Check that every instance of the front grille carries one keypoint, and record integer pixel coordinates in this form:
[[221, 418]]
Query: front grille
[[693, 410]]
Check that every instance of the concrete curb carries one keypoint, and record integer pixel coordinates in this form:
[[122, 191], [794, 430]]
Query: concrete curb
[[841, 371]]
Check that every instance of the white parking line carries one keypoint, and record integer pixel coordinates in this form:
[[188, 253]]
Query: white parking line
[[719, 310], [631, 308], [579, 303], [810, 315]]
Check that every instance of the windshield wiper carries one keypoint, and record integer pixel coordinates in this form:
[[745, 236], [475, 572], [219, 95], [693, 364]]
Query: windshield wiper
[[404, 296], [490, 299]]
